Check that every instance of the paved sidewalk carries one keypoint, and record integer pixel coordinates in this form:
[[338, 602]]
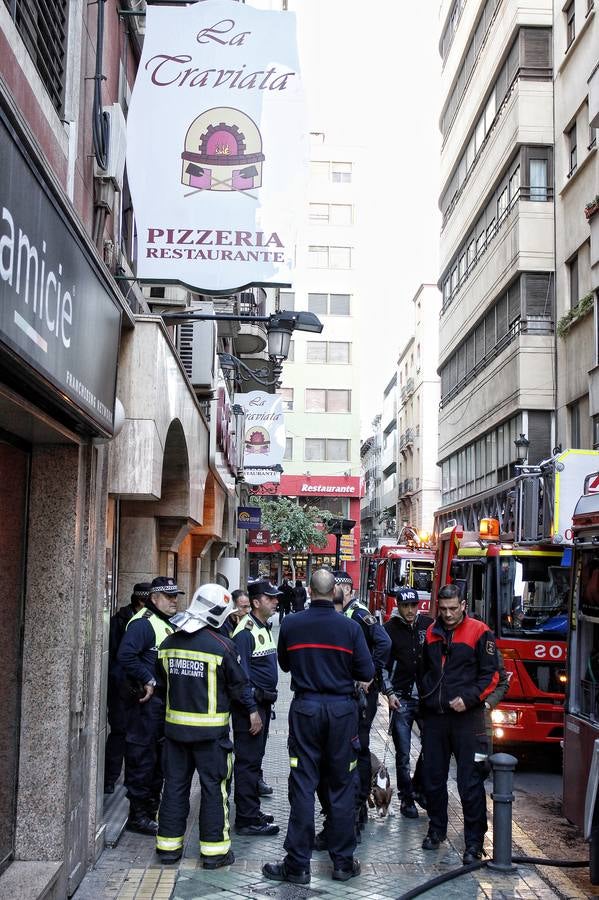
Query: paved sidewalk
[[393, 861]]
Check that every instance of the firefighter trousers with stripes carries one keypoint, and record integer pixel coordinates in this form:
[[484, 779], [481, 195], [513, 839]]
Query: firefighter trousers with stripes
[[212, 760]]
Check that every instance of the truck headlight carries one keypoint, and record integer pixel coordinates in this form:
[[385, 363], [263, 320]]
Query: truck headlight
[[504, 717]]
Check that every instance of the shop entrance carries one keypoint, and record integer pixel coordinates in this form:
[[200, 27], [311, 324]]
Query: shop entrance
[[14, 477]]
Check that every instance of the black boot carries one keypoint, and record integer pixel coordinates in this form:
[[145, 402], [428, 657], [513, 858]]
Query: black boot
[[139, 820]]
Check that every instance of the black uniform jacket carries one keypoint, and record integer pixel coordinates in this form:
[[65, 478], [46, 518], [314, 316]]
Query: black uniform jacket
[[459, 663], [407, 642], [324, 652], [202, 675]]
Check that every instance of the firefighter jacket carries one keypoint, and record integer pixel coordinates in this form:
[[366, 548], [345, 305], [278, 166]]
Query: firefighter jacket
[[377, 639], [138, 649], [324, 652], [459, 663], [202, 675], [258, 656], [407, 641]]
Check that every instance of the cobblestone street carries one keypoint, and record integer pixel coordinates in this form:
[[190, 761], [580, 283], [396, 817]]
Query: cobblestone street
[[391, 855]]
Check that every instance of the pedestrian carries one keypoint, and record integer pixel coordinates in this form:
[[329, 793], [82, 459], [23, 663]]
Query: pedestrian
[[285, 600], [407, 631], [137, 656], [118, 699], [300, 595], [379, 646], [325, 653], [459, 671], [240, 609], [258, 658], [201, 674]]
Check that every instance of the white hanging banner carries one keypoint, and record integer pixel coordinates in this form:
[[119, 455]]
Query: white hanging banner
[[264, 439], [217, 155]]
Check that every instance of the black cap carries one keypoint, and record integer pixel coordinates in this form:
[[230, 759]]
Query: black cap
[[141, 590], [406, 595], [262, 586], [342, 577], [164, 585]]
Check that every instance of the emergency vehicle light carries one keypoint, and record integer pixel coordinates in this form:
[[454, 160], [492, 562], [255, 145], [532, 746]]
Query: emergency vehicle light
[[489, 529]]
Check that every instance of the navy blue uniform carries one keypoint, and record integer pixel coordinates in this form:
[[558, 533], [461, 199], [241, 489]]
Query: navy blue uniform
[[258, 658], [325, 653], [137, 656], [118, 707], [379, 645]]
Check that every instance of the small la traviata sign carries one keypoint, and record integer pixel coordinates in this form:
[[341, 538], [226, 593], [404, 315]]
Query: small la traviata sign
[[264, 439], [216, 145]]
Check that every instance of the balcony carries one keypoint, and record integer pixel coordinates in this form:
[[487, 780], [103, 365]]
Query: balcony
[[407, 487], [389, 456], [407, 440]]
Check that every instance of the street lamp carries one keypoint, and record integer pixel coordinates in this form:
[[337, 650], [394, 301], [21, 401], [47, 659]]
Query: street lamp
[[522, 444], [279, 328]]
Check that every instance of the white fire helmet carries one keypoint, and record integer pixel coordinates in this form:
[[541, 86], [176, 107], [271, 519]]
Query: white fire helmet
[[210, 605]]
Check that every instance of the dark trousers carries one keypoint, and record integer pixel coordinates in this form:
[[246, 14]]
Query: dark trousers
[[323, 745], [364, 726], [464, 735], [118, 714], [212, 760], [402, 721], [143, 755], [249, 753]]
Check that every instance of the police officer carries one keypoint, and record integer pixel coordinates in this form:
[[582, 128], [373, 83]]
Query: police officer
[[325, 653], [137, 656], [258, 658], [459, 671], [379, 645], [407, 631], [200, 670], [117, 701]]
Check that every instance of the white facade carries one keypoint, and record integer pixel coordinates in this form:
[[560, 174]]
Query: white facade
[[418, 406], [576, 52], [496, 356], [321, 378]]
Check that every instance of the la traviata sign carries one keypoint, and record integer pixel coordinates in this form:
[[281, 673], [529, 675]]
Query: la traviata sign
[[216, 145]]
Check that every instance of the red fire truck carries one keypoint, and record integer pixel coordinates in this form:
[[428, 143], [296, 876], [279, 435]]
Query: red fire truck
[[410, 562], [518, 582]]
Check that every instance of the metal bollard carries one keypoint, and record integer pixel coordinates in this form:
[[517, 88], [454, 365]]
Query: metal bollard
[[504, 766]]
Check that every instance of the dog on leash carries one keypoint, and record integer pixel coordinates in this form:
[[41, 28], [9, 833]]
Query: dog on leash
[[380, 787]]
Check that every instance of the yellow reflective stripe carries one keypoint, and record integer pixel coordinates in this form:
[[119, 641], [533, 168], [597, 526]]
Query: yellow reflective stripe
[[175, 653], [212, 848], [293, 762], [353, 765], [212, 689], [169, 843], [225, 796], [176, 717], [482, 552]]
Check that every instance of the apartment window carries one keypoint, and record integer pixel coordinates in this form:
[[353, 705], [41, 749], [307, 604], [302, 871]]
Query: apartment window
[[43, 28], [316, 352], [340, 257], [515, 184], [319, 212], [321, 449], [570, 23], [331, 401], [318, 303], [318, 257], [291, 356], [502, 203], [338, 352], [327, 352], [286, 395], [573, 280], [341, 172], [575, 425], [288, 448], [538, 179], [571, 139], [338, 450], [287, 300], [315, 448], [340, 304]]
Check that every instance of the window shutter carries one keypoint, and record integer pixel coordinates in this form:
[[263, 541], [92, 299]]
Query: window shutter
[[536, 48], [502, 317], [538, 294], [470, 353], [539, 435], [513, 302], [490, 330], [480, 342]]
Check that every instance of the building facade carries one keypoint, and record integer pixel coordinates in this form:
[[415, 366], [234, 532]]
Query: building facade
[[371, 505], [496, 353], [576, 86]]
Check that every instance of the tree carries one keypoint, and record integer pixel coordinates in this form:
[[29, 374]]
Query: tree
[[296, 528]]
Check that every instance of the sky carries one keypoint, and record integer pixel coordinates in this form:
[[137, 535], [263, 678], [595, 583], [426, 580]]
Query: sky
[[371, 72]]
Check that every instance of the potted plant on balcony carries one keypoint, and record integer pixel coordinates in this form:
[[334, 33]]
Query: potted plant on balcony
[[592, 207]]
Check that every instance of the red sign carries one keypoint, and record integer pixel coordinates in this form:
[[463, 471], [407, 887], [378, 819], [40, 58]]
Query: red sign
[[321, 486], [260, 538]]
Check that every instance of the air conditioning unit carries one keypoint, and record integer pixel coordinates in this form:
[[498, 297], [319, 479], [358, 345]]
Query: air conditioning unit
[[168, 295], [117, 145], [197, 345]]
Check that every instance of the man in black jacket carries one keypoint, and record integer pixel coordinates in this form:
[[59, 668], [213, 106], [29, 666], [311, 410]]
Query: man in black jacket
[[459, 671], [202, 675], [407, 631]]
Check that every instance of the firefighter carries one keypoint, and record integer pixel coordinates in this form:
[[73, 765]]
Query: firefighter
[[258, 657], [459, 671], [379, 645], [325, 653], [202, 674], [137, 656]]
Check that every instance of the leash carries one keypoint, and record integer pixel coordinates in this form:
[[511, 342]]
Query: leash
[[387, 742]]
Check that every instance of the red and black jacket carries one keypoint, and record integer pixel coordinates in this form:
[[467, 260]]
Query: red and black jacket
[[459, 663]]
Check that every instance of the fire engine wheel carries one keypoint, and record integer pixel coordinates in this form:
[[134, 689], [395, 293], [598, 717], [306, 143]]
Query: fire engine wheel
[[594, 855]]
